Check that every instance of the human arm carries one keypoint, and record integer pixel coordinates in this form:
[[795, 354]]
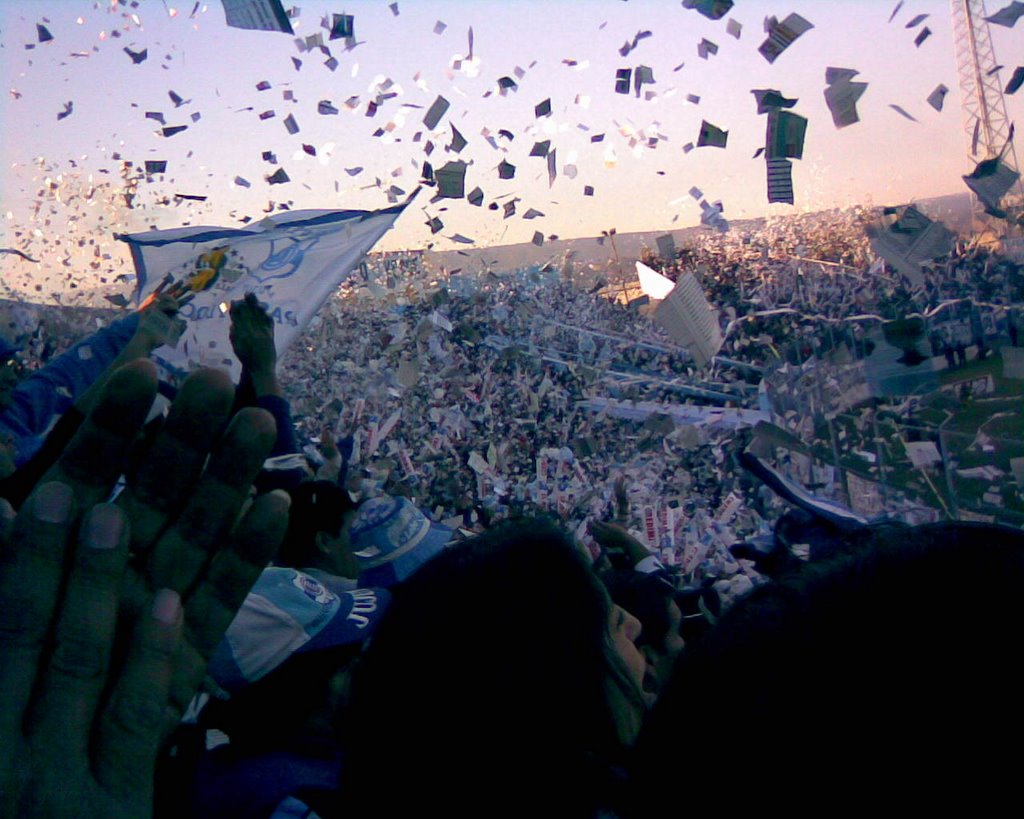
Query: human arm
[[50, 391], [151, 332], [101, 652], [614, 535], [252, 339]]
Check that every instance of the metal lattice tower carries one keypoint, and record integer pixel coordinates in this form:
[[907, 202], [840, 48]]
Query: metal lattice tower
[[986, 124]]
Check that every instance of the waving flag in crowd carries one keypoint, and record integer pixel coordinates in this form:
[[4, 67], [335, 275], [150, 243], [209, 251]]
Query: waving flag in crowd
[[291, 261]]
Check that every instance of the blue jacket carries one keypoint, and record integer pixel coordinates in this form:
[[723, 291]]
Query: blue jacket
[[39, 400]]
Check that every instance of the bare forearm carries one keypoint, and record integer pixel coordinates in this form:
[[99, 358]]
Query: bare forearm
[[264, 382]]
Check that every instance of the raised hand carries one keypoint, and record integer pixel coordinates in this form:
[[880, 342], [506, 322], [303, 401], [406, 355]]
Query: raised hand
[[252, 335], [108, 612]]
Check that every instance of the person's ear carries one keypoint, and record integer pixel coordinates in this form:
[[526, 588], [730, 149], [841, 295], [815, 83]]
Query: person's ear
[[323, 543]]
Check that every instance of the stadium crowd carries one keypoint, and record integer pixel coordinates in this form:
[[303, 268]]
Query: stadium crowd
[[423, 565]]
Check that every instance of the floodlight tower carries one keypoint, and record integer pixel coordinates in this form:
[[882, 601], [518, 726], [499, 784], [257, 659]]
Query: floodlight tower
[[986, 124]]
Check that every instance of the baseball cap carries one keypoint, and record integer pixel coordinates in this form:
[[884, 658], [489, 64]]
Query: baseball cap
[[391, 538], [289, 612]]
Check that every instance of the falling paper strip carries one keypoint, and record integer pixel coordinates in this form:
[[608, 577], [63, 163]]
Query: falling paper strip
[[451, 180], [653, 283], [137, 56], [705, 47], [261, 15], [342, 27], [922, 35], [733, 28], [786, 132], [622, 80], [435, 112], [937, 97], [781, 35], [291, 125], [842, 95], [458, 141], [769, 98], [1007, 16], [916, 21], [712, 9], [711, 135], [1015, 81], [990, 181], [780, 181], [643, 74], [901, 112]]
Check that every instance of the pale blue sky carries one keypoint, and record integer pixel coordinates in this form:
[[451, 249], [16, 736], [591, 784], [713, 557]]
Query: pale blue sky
[[882, 159]]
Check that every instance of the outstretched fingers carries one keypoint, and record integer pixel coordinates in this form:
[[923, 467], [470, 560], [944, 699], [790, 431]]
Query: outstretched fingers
[[175, 460], [32, 555], [185, 547], [98, 454], [75, 671], [130, 730], [217, 597]]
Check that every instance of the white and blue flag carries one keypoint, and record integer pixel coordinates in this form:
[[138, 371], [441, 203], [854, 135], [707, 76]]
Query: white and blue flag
[[290, 261]]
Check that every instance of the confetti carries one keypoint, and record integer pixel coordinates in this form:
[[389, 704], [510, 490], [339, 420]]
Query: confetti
[[137, 56]]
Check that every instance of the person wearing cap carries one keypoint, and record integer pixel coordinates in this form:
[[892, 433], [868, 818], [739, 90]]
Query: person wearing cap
[[391, 538], [319, 533], [379, 543], [268, 739]]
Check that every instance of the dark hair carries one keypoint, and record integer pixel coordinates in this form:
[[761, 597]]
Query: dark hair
[[485, 690], [317, 506], [890, 671]]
